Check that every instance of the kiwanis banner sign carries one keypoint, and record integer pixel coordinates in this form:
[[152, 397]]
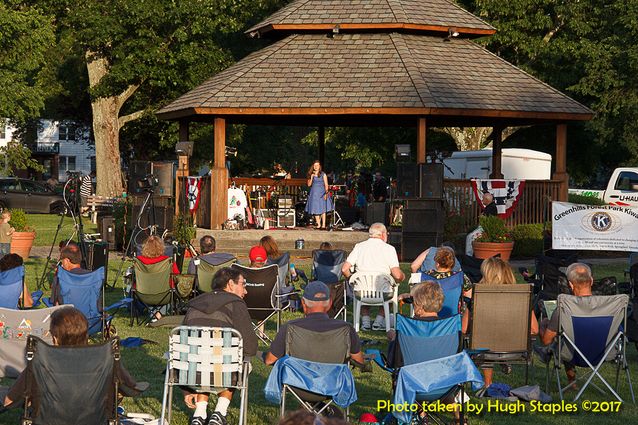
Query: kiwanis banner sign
[[594, 227]]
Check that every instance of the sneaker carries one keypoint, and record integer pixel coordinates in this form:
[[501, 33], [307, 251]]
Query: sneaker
[[217, 418], [198, 420], [379, 324], [365, 323]]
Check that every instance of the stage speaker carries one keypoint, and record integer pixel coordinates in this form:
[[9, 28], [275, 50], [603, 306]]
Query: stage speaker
[[106, 226], [407, 180], [286, 218], [163, 216], [423, 221], [164, 172], [377, 212], [423, 204], [431, 181], [97, 255], [412, 244], [138, 170]]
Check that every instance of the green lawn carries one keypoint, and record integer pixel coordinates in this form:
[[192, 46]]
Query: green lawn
[[47, 224], [146, 364]]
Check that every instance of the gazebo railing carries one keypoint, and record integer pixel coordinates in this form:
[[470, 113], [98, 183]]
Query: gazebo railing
[[533, 206]]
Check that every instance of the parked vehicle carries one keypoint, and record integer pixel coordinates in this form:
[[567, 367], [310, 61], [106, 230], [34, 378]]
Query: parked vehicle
[[622, 188], [516, 163], [30, 196]]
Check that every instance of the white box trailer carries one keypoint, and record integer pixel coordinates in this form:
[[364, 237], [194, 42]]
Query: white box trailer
[[516, 163]]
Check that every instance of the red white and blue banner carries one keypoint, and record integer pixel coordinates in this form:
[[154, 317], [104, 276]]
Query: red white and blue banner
[[594, 227], [193, 192], [506, 193]]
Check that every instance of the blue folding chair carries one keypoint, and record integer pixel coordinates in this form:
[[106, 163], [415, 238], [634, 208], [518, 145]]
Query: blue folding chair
[[452, 289], [431, 346], [86, 293], [11, 285], [326, 267], [591, 332]]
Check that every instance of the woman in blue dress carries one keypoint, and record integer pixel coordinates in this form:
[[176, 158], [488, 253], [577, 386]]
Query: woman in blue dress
[[318, 200]]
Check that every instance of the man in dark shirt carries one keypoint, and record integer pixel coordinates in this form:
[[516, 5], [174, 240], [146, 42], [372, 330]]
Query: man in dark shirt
[[379, 187], [316, 303], [490, 205], [207, 246], [224, 307]]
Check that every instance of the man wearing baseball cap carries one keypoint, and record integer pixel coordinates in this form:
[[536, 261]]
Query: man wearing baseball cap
[[257, 256], [316, 303]]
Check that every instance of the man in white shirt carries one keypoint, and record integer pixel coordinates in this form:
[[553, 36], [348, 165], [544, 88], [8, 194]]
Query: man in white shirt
[[374, 255]]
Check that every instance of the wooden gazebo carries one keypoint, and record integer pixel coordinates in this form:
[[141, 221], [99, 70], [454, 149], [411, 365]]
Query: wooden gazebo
[[373, 63]]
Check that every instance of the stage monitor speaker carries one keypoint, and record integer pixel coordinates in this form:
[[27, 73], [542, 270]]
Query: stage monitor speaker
[[106, 226], [164, 172], [431, 181], [163, 217], [377, 212], [286, 218], [423, 221], [412, 244], [407, 180], [97, 255]]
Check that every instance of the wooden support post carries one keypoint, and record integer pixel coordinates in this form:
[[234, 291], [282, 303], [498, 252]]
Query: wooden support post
[[182, 170], [497, 153], [560, 173], [321, 135], [421, 141], [219, 177]]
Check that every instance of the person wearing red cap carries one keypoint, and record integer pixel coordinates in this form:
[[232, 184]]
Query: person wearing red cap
[[257, 256]]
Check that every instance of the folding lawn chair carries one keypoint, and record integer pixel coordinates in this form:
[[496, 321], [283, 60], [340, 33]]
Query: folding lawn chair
[[591, 332], [471, 266], [86, 293], [152, 288], [374, 289], [263, 297], [429, 264], [426, 365], [283, 263], [17, 325], [206, 271], [452, 289], [326, 267], [314, 370], [208, 360], [500, 322], [71, 385], [11, 286]]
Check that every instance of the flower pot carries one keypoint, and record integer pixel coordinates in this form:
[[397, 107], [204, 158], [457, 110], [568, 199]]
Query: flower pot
[[21, 243], [490, 249]]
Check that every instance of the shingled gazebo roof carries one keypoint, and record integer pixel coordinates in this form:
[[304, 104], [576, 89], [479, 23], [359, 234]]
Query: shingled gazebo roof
[[424, 15], [376, 62]]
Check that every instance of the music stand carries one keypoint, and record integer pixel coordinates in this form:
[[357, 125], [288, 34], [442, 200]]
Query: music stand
[[337, 221]]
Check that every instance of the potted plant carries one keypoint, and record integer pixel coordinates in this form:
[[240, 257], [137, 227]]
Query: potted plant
[[24, 234], [183, 232], [494, 239]]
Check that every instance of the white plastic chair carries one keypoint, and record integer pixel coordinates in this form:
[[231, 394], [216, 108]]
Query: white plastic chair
[[374, 289]]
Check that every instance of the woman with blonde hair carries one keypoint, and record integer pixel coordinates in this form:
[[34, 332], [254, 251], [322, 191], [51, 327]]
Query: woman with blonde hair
[[271, 247], [153, 252]]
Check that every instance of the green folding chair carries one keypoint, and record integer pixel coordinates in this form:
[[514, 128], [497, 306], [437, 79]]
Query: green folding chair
[[152, 289], [206, 271]]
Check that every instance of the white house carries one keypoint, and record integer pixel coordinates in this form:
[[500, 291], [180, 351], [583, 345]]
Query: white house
[[60, 146]]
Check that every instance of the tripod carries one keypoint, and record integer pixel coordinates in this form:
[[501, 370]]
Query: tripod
[[72, 205]]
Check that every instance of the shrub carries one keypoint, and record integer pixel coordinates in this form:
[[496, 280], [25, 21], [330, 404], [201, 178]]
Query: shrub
[[494, 230], [584, 200], [528, 240], [123, 217], [19, 221], [183, 229]]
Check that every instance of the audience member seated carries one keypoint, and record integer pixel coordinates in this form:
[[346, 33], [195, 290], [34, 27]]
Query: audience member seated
[[425, 260], [257, 256], [207, 251], [69, 327], [70, 260], [374, 255], [325, 246], [224, 307], [316, 303], [153, 252], [497, 272], [11, 261], [272, 250], [427, 300], [443, 268], [580, 281]]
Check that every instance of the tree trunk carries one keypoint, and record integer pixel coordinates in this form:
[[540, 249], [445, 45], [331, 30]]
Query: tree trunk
[[106, 131]]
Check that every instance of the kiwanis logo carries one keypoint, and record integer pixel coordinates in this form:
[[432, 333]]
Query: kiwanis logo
[[601, 221]]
